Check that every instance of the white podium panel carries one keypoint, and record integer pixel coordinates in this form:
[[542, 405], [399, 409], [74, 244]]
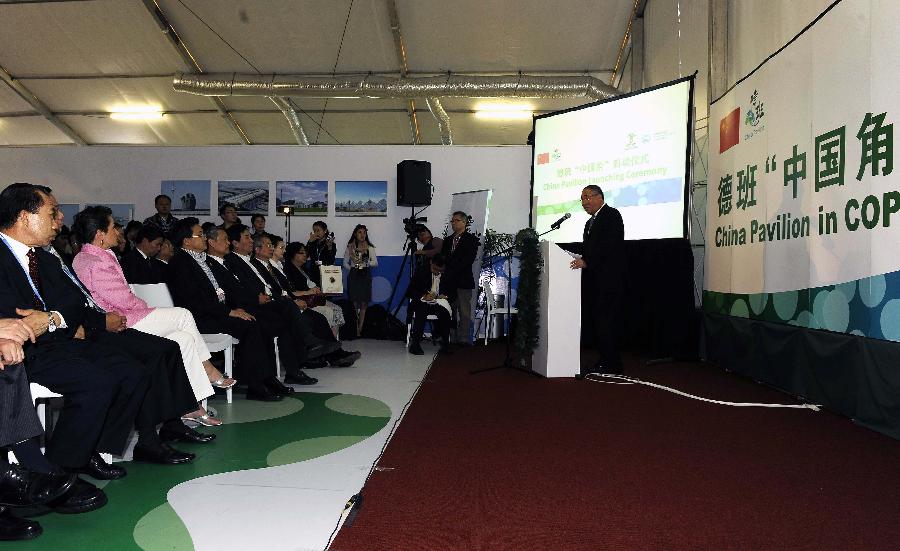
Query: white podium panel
[[559, 347]]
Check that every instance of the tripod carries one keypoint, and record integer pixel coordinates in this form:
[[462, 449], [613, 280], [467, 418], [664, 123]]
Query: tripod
[[508, 361]]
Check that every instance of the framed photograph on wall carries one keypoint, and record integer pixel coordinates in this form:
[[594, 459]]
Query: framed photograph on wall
[[248, 196], [122, 213], [360, 198], [189, 197], [305, 197], [69, 211]]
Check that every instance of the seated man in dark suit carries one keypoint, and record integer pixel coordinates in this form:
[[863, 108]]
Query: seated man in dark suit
[[139, 264], [311, 328], [35, 480], [261, 261], [425, 288], [103, 389], [194, 287], [270, 315]]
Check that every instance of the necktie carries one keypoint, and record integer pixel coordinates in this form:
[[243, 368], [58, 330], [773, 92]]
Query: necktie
[[35, 275], [455, 243]]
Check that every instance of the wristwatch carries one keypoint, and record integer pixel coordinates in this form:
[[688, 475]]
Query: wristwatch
[[51, 325]]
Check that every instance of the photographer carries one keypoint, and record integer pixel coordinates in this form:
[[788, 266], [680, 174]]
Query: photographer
[[431, 245], [320, 247]]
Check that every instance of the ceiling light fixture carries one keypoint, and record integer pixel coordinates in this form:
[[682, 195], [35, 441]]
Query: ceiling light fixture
[[504, 111], [136, 113]]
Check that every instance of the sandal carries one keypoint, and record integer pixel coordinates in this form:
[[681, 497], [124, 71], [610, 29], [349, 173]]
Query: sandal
[[224, 382], [206, 420]]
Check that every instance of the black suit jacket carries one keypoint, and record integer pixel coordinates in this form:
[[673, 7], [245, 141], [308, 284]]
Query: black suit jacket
[[191, 289], [58, 291], [237, 295], [273, 282], [421, 284], [244, 273], [459, 262], [603, 249], [142, 271]]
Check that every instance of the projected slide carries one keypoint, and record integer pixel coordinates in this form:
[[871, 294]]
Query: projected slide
[[634, 148]]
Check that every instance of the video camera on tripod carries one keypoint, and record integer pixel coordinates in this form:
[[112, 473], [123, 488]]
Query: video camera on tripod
[[411, 226]]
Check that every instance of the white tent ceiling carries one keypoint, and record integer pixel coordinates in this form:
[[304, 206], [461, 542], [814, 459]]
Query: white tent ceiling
[[80, 58]]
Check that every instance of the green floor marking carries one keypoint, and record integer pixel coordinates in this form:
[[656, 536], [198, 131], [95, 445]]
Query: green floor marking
[[135, 502], [358, 405], [162, 529], [310, 448]]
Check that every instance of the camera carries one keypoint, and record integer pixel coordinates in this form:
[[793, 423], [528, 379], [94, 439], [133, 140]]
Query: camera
[[411, 226]]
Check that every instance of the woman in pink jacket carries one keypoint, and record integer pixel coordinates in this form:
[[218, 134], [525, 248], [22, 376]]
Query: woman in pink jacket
[[98, 269]]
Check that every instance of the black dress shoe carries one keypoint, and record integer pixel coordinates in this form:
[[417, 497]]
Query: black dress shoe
[[163, 454], [15, 528], [299, 378], [100, 469], [342, 358], [275, 386], [21, 487], [416, 348], [315, 363], [186, 435], [263, 395], [81, 498]]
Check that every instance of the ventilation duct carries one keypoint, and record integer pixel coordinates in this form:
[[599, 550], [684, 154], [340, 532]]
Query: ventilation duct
[[370, 86]]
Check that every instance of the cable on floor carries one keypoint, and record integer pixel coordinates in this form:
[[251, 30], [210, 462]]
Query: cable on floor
[[622, 379]]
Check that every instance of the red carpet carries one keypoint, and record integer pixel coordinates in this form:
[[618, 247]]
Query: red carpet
[[504, 460]]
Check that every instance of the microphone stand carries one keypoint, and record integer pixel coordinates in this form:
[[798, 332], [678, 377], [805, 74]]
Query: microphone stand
[[508, 360]]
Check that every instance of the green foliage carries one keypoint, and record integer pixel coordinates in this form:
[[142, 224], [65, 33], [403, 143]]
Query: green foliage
[[531, 263]]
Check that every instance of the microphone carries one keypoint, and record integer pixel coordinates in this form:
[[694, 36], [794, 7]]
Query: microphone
[[558, 223]]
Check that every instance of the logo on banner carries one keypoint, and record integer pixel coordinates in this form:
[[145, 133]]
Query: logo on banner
[[730, 130], [631, 143], [754, 116], [543, 158]]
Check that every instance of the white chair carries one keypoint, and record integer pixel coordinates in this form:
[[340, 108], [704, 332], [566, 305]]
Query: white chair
[[491, 309], [157, 295], [40, 396]]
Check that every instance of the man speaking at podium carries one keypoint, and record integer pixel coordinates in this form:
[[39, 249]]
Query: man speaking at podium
[[603, 267]]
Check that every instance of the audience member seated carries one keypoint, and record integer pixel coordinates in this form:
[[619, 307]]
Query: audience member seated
[[34, 481], [163, 219], [426, 287], [290, 264], [63, 245], [139, 264], [321, 250], [194, 287], [169, 397], [275, 319], [316, 334], [103, 388], [104, 279]]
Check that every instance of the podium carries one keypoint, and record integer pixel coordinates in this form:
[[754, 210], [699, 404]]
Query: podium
[[559, 345]]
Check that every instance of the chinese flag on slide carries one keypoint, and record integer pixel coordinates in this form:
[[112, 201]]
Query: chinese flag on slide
[[730, 130]]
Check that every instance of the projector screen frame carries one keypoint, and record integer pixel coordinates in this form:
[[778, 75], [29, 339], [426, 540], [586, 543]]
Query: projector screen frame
[[690, 79]]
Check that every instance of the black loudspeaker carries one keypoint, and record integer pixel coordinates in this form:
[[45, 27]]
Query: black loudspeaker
[[413, 183]]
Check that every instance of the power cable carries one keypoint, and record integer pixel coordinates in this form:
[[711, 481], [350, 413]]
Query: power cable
[[333, 72], [625, 380]]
